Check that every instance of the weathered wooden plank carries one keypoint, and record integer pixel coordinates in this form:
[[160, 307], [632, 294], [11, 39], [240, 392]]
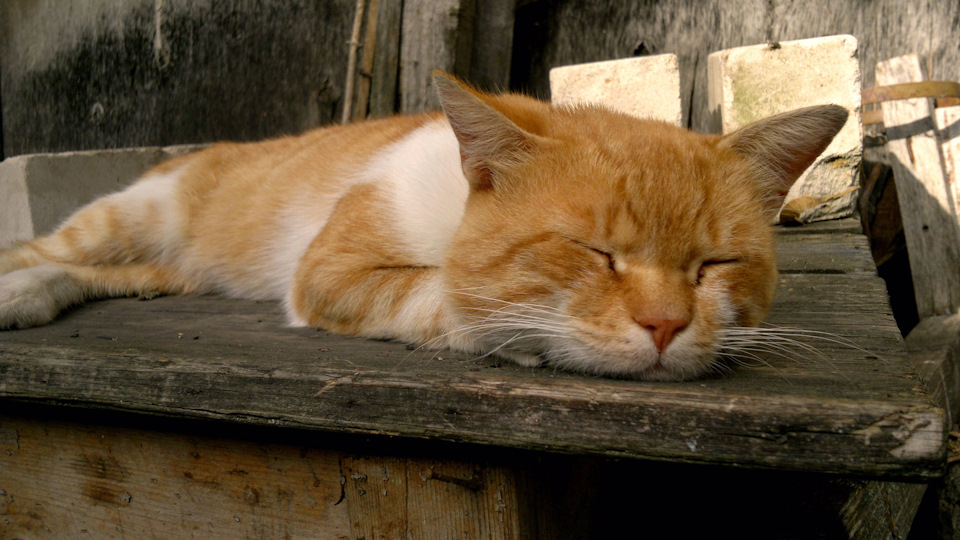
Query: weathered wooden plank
[[462, 500], [948, 130], [932, 232], [228, 467], [575, 31], [392, 497], [386, 60], [377, 489], [63, 480], [840, 398], [149, 73], [824, 253], [849, 408], [934, 347], [436, 35], [493, 47]]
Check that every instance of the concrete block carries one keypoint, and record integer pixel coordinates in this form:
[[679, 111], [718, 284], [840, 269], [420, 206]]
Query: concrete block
[[39, 191], [750, 83], [645, 87]]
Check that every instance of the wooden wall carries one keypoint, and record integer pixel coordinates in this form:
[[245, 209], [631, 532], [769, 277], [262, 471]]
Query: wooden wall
[[559, 32], [107, 74]]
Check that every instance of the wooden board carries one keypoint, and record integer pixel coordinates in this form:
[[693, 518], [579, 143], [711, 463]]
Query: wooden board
[[66, 473], [853, 406], [436, 35], [60, 480], [386, 59], [948, 131], [929, 222], [560, 33]]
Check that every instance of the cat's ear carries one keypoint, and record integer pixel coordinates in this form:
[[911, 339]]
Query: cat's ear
[[783, 146], [490, 144]]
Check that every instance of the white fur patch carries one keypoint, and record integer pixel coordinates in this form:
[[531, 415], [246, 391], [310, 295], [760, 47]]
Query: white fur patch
[[426, 187], [297, 224], [159, 191], [424, 184], [34, 296], [160, 240]]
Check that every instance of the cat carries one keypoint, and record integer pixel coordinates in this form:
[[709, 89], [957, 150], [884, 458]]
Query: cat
[[575, 237]]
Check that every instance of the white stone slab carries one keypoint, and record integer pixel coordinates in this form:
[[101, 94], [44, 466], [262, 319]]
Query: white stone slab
[[645, 87], [750, 83]]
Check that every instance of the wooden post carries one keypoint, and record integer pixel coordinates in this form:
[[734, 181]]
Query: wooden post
[[948, 128], [437, 35], [493, 51], [386, 59], [930, 226]]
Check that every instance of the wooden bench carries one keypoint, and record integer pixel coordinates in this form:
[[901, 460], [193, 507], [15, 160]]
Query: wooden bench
[[208, 416]]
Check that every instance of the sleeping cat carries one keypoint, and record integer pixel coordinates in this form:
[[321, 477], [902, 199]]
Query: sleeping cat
[[576, 237]]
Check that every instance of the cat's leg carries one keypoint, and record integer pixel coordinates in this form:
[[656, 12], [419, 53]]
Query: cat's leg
[[36, 295], [139, 224], [356, 279], [121, 244]]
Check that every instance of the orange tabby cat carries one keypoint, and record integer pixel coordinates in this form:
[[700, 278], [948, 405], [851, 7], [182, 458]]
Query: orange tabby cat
[[577, 237]]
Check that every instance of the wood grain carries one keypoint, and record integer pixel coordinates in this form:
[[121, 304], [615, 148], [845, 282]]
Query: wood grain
[[930, 226], [948, 131], [436, 35], [62, 480], [850, 404], [565, 32], [386, 59], [492, 45]]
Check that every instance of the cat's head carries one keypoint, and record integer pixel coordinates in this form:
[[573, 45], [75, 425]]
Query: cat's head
[[598, 242]]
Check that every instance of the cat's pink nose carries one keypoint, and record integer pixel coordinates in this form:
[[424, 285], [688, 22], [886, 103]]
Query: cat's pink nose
[[662, 330]]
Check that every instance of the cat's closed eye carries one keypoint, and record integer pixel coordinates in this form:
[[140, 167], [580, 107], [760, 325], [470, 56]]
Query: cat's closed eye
[[705, 265], [607, 256]]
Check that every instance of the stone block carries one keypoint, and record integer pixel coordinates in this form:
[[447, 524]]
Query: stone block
[[645, 87], [38, 191], [750, 83]]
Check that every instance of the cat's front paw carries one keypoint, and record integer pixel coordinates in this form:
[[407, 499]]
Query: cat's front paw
[[35, 296]]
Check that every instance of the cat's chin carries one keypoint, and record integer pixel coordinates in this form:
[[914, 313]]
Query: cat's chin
[[646, 365]]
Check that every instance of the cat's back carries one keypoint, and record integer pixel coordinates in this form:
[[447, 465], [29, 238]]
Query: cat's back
[[250, 210]]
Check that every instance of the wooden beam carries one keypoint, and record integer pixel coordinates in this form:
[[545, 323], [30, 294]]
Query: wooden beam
[[948, 128], [493, 49], [66, 480], [932, 233], [386, 59], [437, 35]]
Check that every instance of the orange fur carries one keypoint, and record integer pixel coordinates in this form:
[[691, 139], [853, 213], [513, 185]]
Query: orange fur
[[574, 236]]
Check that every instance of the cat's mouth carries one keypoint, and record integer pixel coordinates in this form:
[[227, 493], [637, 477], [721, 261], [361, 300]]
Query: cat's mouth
[[632, 355]]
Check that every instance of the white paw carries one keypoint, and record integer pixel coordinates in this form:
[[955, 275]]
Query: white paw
[[34, 296]]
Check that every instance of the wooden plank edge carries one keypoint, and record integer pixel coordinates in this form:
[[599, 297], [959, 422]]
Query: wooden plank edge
[[871, 438], [933, 347]]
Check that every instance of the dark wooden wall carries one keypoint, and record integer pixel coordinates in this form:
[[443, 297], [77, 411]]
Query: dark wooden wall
[[107, 74]]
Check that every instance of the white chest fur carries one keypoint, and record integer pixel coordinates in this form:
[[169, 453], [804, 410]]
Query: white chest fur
[[426, 188]]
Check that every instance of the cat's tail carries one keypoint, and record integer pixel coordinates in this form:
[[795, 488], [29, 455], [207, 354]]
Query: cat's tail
[[123, 244]]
